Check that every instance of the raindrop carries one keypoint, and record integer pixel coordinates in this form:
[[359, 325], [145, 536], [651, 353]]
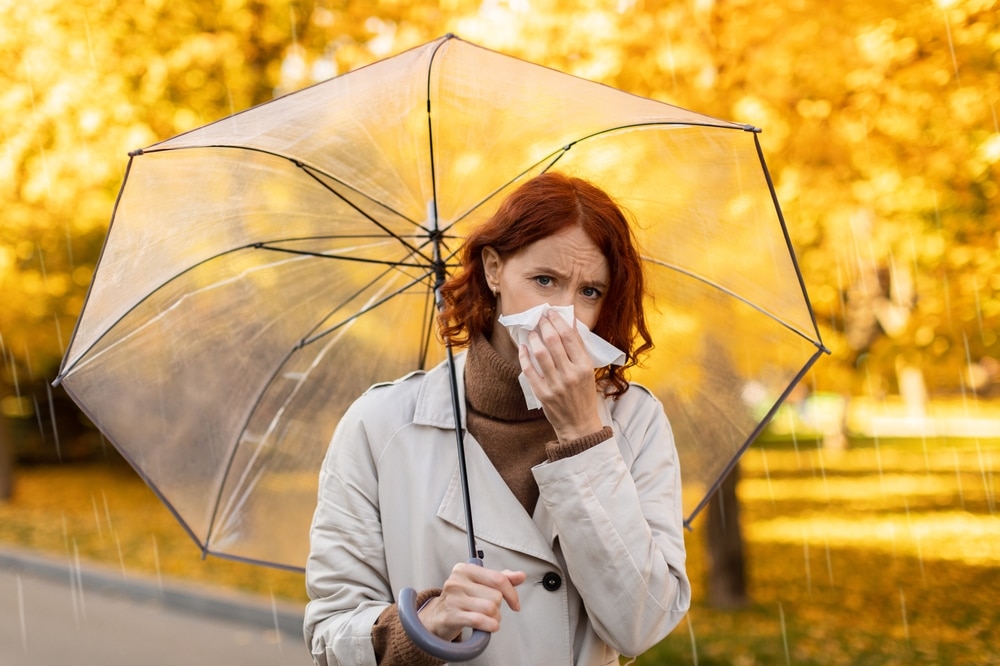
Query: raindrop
[[20, 611], [14, 377], [965, 377], [951, 46], [121, 555], [784, 634], [795, 445], [694, 642], [274, 613], [76, 586], [41, 264], [97, 518], [156, 563], [878, 461], [52, 414], [59, 335]]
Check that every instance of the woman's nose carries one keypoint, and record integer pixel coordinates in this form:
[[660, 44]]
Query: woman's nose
[[561, 298]]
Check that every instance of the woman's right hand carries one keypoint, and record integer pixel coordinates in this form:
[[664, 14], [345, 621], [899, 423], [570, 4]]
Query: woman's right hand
[[471, 597]]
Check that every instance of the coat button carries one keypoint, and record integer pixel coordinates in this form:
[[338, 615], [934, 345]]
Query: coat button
[[552, 581]]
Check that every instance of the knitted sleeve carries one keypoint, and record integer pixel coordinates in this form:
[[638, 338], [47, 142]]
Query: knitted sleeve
[[392, 646], [557, 450]]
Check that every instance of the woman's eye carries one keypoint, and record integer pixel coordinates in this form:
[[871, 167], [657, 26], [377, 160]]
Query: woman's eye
[[590, 292], [543, 280]]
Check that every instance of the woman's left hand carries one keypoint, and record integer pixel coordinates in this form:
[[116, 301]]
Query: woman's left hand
[[565, 386]]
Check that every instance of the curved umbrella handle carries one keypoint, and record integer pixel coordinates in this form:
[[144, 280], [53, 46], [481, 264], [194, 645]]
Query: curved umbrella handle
[[432, 644]]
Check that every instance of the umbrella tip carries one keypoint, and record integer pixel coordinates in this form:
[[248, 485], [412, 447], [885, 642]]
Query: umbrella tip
[[751, 128], [135, 153]]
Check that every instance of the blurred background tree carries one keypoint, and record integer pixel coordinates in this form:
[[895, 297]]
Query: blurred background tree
[[880, 129]]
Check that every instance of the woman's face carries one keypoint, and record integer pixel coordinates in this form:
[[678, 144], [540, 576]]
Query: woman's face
[[566, 268]]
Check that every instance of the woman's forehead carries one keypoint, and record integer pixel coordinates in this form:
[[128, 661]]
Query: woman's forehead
[[568, 254]]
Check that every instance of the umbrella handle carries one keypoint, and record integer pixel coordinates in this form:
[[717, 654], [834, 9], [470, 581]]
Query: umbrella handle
[[430, 643]]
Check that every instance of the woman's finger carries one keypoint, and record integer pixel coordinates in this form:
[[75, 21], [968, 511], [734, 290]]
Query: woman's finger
[[472, 597], [569, 337], [493, 581]]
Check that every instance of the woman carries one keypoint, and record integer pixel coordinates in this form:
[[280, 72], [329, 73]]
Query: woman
[[577, 504]]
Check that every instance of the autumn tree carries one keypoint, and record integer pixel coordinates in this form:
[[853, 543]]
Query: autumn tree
[[88, 82], [879, 128]]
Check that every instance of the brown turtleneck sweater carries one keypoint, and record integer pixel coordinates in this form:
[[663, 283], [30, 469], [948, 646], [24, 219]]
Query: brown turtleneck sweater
[[515, 439]]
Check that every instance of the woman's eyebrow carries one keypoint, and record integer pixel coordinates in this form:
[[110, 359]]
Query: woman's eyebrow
[[547, 269]]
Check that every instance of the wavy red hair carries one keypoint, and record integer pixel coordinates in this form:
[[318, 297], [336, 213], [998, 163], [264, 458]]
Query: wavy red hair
[[537, 209]]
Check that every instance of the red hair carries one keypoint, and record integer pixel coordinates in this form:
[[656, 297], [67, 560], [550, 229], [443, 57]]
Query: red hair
[[539, 208]]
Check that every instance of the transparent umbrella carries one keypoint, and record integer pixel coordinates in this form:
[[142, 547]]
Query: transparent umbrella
[[262, 271]]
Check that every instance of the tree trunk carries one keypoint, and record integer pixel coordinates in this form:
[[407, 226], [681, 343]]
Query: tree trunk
[[727, 585]]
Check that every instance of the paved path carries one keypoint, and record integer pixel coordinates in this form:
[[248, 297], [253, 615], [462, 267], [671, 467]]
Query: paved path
[[54, 614]]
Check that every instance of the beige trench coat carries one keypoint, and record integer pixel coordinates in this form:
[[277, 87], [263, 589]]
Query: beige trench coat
[[606, 535]]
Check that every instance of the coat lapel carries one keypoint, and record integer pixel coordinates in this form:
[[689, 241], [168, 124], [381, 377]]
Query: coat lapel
[[498, 518]]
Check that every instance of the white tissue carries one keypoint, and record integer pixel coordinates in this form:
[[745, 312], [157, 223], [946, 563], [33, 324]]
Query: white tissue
[[519, 325]]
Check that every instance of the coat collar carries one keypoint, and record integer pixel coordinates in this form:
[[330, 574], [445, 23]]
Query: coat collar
[[434, 404]]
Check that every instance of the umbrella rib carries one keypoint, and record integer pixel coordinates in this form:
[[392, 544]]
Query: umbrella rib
[[313, 338], [553, 157], [223, 511], [730, 292], [753, 435], [788, 240], [341, 257], [312, 172], [69, 367]]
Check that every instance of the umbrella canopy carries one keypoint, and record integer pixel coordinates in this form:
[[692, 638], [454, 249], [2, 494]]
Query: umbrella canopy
[[262, 271]]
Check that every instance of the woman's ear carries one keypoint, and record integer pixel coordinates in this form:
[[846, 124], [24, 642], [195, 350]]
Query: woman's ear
[[491, 268]]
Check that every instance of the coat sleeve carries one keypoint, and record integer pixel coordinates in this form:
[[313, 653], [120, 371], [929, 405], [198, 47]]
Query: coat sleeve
[[617, 512], [346, 575]]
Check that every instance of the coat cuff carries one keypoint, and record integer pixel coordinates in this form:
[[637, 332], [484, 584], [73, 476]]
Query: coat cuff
[[392, 646], [557, 450]]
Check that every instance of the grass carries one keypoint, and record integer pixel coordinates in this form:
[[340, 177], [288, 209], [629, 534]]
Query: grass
[[886, 553]]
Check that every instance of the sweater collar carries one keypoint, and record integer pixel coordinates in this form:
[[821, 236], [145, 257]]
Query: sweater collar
[[491, 385]]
